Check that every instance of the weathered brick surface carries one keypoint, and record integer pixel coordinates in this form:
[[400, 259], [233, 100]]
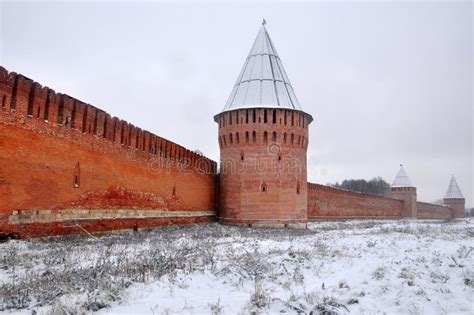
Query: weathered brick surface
[[431, 211], [59, 153], [326, 203], [408, 195], [263, 166], [458, 205]]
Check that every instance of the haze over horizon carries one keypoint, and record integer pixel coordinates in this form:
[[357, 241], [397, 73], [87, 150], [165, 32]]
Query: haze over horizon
[[387, 83]]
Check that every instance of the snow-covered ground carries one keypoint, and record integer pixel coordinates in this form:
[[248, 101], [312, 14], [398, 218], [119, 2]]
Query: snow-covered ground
[[361, 267]]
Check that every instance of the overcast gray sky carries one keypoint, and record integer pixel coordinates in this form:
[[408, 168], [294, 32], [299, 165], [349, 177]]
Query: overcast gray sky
[[387, 83]]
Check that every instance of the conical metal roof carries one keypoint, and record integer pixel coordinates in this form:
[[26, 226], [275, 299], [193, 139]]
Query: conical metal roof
[[453, 190], [263, 81], [402, 179]]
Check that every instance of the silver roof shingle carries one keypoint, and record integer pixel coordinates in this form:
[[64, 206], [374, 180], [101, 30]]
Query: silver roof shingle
[[453, 191], [402, 179], [263, 81]]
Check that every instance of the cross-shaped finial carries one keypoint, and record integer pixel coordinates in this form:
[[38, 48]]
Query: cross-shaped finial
[[264, 22]]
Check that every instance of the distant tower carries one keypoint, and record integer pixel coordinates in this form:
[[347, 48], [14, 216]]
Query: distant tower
[[455, 199], [402, 188], [263, 139]]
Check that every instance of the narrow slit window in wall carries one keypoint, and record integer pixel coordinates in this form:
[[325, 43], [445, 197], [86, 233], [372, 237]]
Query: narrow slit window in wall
[[77, 176]]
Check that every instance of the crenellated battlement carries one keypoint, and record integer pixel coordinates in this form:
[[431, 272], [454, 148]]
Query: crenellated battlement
[[31, 104]]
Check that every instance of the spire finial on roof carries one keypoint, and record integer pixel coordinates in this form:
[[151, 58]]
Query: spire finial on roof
[[264, 22]]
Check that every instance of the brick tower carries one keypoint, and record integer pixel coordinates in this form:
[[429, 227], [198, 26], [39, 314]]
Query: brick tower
[[402, 188], [455, 199], [263, 139]]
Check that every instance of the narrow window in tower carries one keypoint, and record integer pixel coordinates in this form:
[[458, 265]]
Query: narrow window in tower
[[274, 136], [265, 116], [230, 118], [225, 142], [274, 116], [263, 187], [259, 119], [237, 138], [237, 120], [246, 116], [298, 188], [254, 137], [265, 137], [76, 176], [284, 138], [242, 155], [279, 156], [247, 137], [254, 116], [292, 138], [285, 117], [292, 118], [174, 190], [231, 139]]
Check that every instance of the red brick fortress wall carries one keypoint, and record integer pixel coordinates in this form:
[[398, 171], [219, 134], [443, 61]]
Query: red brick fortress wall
[[431, 211], [60, 158], [328, 203], [263, 167]]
